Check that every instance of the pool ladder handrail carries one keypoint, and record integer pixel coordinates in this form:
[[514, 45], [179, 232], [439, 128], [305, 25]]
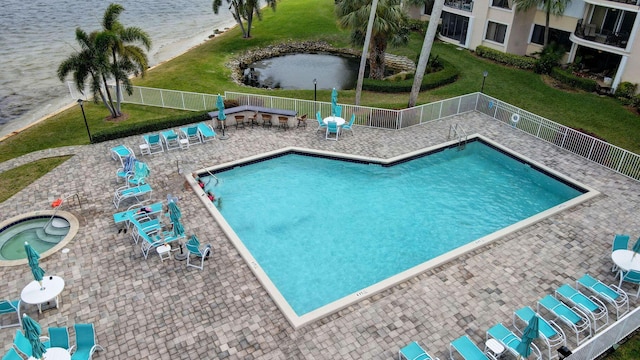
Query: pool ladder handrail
[[459, 133], [55, 211]]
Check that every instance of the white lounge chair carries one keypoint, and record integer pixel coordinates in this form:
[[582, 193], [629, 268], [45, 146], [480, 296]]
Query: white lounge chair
[[191, 134], [171, 139], [550, 333], [135, 192], [153, 142]]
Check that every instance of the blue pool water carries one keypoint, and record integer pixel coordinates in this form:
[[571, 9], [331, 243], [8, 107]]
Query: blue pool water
[[322, 228]]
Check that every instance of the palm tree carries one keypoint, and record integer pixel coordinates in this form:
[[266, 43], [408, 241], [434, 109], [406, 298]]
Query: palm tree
[[555, 7], [126, 57], [389, 28], [244, 9], [89, 62]]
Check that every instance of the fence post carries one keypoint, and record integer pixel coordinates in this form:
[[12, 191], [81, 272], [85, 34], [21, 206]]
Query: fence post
[[620, 162], [183, 106], [141, 97], [162, 98]]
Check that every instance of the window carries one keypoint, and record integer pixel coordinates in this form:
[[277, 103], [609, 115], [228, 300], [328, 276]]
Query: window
[[558, 36], [501, 4], [454, 27], [496, 32]]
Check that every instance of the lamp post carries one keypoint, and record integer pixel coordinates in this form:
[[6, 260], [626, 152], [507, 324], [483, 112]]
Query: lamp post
[[80, 102], [484, 77], [315, 89]]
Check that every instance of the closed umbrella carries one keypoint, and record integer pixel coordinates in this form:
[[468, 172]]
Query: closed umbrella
[[174, 211], [636, 246], [32, 257], [32, 332], [334, 101], [221, 116], [530, 333]]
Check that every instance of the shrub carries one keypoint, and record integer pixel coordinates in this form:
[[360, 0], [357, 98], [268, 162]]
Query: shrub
[[417, 25], [548, 58], [626, 90], [231, 103], [521, 62], [568, 78], [447, 75]]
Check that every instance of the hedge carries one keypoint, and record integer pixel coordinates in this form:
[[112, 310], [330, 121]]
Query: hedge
[[568, 78], [521, 62], [447, 75]]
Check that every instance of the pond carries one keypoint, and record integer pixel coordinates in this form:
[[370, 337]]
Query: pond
[[297, 71]]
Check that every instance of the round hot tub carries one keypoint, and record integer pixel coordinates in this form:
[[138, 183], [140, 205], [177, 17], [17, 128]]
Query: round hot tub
[[46, 231]]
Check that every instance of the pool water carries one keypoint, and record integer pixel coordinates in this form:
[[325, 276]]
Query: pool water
[[13, 237], [322, 229]]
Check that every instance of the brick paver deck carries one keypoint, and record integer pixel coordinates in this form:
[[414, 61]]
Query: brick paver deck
[[161, 310]]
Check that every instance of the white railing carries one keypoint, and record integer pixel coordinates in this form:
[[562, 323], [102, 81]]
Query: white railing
[[596, 150], [602, 342]]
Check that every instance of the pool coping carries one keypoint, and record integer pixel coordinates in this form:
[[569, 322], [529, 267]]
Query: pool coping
[[298, 321], [74, 226]]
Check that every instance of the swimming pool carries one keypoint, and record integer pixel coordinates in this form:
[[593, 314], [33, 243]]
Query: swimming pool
[[326, 233]]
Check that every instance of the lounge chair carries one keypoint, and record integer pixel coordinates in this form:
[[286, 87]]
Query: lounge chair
[[611, 293], [59, 337], [550, 333], [85, 342], [144, 223], [193, 248], [414, 351], [171, 139], [620, 242], [349, 126], [120, 152], [153, 240], [126, 192], [468, 350], [153, 143], [139, 174], [22, 344], [191, 134], [510, 340], [632, 277], [573, 317], [321, 124], [134, 211], [12, 354], [591, 306], [206, 132], [332, 128], [8, 307]]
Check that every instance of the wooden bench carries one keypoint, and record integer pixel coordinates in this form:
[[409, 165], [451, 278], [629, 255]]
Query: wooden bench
[[253, 109]]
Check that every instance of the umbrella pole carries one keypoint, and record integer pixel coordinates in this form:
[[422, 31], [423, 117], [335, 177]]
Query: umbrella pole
[[181, 256], [223, 137]]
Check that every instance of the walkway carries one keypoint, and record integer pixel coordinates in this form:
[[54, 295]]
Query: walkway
[[152, 309]]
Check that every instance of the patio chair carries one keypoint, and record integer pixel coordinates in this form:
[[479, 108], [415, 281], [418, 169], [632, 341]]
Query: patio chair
[[22, 344], [321, 124], [171, 139], [283, 122], [12, 354], [8, 307], [266, 120], [135, 192], [573, 317], [59, 337], [550, 333], [206, 132], [468, 350], [332, 128], [631, 277], [120, 152], [85, 342], [153, 143], [611, 294], [144, 223], [240, 119], [151, 241], [337, 111], [127, 168], [191, 134], [193, 248], [302, 121], [139, 174], [349, 126], [252, 119], [510, 341], [591, 306], [620, 242], [414, 351]]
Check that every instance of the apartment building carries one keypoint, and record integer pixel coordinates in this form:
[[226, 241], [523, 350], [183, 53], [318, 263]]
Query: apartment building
[[600, 35]]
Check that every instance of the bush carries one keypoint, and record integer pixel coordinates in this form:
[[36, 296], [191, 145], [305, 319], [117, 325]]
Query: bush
[[548, 58], [626, 90], [150, 126], [568, 78], [417, 25], [447, 75], [521, 62]]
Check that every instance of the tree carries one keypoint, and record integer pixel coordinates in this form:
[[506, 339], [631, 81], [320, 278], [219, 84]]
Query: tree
[[89, 62], [555, 7], [244, 10], [126, 56], [389, 28]]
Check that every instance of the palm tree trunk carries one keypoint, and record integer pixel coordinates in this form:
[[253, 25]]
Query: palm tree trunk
[[376, 57], [426, 51], [546, 24], [101, 93], [365, 48], [238, 18], [115, 75], [112, 108]]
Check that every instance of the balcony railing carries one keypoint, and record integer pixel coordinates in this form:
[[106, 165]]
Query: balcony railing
[[464, 5], [591, 32]]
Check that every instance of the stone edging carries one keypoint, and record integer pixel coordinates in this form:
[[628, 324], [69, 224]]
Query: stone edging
[[238, 64]]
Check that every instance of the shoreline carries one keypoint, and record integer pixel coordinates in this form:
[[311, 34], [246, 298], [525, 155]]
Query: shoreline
[[172, 51]]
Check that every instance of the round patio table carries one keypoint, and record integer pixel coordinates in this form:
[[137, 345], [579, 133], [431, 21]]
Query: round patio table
[[339, 121], [55, 353], [52, 286], [626, 259]]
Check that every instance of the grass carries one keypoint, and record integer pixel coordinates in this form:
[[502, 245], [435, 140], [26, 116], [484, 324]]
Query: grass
[[16, 179], [630, 350]]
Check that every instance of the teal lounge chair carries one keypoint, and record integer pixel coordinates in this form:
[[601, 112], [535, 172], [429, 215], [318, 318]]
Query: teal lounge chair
[[120, 152], [332, 128], [591, 306], [206, 132], [12, 354], [22, 344], [413, 351], [468, 350], [550, 333], [171, 139], [349, 126], [139, 174], [85, 342], [573, 317], [9, 307], [135, 192], [193, 248], [154, 143], [510, 341], [620, 242], [150, 241], [321, 124], [191, 134], [610, 293], [144, 223], [127, 168], [59, 337]]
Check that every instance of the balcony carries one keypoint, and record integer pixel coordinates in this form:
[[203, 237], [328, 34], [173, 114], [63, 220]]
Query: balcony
[[464, 5], [591, 32]]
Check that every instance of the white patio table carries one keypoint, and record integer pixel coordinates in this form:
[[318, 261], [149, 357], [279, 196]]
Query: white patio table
[[55, 353], [626, 259], [339, 121], [52, 286]]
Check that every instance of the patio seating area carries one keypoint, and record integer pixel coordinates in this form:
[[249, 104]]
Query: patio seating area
[[109, 284]]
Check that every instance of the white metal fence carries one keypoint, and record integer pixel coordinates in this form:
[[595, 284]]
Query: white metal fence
[[596, 150]]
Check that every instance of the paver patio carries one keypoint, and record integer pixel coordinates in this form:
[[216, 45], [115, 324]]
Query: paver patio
[[161, 310]]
